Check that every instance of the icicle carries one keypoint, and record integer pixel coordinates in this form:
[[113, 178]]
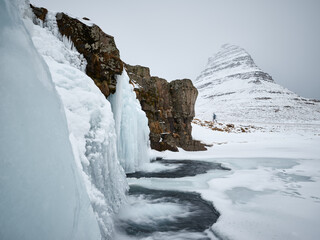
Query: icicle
[[131, 126]]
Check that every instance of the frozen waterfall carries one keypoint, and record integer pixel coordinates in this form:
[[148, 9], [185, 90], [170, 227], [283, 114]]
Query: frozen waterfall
[[131, 126], [46, 183], [90, 121], [42, 195]]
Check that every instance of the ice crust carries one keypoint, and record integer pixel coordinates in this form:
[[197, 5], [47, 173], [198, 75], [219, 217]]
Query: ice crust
[[42, 195]]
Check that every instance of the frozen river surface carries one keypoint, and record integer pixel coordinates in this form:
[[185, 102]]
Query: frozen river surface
[[251, 198], [263, 186]]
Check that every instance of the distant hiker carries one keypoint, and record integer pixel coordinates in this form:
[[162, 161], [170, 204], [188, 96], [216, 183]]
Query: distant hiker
[[214, 117]]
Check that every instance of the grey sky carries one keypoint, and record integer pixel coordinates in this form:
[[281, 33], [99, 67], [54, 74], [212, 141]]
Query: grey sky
[[175, 37]]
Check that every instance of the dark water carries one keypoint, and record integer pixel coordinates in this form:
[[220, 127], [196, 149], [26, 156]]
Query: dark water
[[167, 214], [184, 168]]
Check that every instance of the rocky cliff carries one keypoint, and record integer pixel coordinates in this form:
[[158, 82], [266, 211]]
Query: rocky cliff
[[168, 106], [97, 47], [236, 90]]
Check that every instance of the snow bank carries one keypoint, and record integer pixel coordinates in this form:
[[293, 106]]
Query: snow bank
[[42, 195], [90, 121], [131, 126]]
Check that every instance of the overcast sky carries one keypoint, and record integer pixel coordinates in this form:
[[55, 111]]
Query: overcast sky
[[176, 37]]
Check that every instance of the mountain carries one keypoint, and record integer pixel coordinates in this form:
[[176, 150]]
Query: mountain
[[234, 88]]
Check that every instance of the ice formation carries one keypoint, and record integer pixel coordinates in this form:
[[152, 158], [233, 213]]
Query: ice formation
[[131, 126], [99, 138], [42, 195], [90, 121]]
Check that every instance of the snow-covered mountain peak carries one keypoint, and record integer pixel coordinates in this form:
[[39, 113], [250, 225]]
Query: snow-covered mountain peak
[[231, 53], [231, 60], [234, 88]]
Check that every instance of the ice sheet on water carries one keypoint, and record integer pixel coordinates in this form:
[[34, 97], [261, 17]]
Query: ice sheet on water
[[271, 200], [243, 195], [42, 195], [261, 199]]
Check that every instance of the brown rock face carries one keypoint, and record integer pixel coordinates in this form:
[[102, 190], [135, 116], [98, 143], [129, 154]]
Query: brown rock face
[[40, 13], [169, 108], [98, 48]]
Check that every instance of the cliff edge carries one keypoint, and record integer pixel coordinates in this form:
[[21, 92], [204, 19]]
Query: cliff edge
[[169, 106]]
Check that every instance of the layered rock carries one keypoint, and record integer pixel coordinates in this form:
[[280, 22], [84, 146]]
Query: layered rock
[[169, 107], [236, 90]]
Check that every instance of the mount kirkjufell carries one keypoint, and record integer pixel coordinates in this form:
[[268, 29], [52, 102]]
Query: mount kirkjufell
[[236, 90]]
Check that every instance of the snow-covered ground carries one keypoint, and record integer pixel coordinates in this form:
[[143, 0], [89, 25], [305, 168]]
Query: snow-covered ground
[[272, 190]]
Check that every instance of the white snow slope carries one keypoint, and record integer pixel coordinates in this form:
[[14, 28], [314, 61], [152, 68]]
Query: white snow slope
[[236, 90], [42, 195]]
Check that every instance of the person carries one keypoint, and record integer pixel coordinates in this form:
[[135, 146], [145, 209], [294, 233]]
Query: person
[[214, 117]]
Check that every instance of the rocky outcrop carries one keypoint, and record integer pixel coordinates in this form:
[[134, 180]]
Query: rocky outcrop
[[169, 107], [40, 13], [98, 48]]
